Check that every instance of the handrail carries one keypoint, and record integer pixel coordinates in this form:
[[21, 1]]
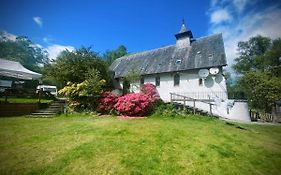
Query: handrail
[[191, 99], [205, 94]]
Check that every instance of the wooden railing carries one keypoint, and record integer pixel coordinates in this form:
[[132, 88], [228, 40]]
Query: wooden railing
[[178, 97], [260, 116], [205, 95]]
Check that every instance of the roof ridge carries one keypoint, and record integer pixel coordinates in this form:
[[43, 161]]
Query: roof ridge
[[212, 35], [146, 51]]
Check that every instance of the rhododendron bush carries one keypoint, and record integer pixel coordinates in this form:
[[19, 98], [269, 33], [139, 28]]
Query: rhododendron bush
[[134, 104], [150, 90], [107, 102]]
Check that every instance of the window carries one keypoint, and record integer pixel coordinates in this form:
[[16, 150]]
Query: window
[[200, 81], [157, 81], [176, 79], [142, 81]]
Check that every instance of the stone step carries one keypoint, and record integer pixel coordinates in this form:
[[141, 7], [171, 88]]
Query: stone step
[[54, 109], [43, 113], [48, 110], [40, 116]]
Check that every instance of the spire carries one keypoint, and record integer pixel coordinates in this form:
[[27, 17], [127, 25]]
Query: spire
[[183, 28], [184, 36]]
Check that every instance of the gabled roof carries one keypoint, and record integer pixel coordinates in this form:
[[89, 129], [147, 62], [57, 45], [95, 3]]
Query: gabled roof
[[15, 69], [202, 53]]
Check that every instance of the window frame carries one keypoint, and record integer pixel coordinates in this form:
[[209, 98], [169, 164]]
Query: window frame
[[200, 81], [157, 81], [142, 81], [177, 79]]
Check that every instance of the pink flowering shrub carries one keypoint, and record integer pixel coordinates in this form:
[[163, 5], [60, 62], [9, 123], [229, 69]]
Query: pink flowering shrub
[[138, 104], [107, 102], [150, 90], [135, 104]]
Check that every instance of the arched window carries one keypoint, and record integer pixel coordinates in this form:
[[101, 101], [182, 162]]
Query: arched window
[[176, 80], [157, 80], [200, 81], [142, 81]]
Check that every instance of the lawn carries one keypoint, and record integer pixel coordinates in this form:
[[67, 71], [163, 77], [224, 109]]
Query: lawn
[[84, 144], [24, 100]]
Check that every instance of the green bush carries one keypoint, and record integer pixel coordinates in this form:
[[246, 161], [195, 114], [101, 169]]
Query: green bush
[[170, 110]]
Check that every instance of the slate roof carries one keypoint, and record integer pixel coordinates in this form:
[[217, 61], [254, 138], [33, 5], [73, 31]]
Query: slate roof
[[203, 52]]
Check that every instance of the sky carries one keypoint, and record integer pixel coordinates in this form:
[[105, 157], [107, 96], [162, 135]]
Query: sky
[[139, 25]]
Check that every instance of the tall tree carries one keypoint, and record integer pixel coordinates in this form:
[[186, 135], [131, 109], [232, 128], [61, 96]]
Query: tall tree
[[259, 69], [249, 51], [24, 51], [75, 67], [111, 56]]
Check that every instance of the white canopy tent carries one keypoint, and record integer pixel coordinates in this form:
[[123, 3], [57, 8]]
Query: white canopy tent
[[15, 69]]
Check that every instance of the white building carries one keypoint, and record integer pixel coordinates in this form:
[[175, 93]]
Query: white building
[[191, 68]]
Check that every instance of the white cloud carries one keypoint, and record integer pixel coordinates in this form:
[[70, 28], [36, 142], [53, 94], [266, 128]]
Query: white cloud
[[7, 36], [221, 15], [55, 50], [240, 4], [38, 21], [48, 40], [246, 25]]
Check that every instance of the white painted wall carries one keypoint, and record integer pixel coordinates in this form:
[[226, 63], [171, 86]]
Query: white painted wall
[[189, 86]]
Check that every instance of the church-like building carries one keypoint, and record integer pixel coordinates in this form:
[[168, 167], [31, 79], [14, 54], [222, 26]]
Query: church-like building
[[192, 67]]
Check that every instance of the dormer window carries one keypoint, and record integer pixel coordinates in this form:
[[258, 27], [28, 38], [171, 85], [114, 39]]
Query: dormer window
[[178, 61]]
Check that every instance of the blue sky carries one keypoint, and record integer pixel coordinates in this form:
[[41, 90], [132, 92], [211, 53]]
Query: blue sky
[[139, 25]]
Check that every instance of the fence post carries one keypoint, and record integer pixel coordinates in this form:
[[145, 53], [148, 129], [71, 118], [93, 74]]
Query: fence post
[[194, 106], [184, 101], [210, 105], [171, 94]]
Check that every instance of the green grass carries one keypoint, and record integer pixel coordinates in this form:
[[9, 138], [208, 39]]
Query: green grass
[[24, 100], [84, 144]]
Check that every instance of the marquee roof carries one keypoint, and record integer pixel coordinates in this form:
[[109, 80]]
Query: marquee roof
[[16, 70]]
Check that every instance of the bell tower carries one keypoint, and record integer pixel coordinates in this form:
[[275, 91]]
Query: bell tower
[[183, 38]]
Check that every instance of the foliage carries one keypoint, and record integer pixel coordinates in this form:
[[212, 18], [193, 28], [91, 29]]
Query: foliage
[[130, 81], [106, 102], [24, 51], [133, 104], [262, 89], [75, 67], [138, 104], [111, 56], [249, 51], [150, 90], [170, 110], [259, 67], [84, 94]]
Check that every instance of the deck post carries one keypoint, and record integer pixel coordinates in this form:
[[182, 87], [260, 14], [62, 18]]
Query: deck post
[[210, 105], [193, 106]]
